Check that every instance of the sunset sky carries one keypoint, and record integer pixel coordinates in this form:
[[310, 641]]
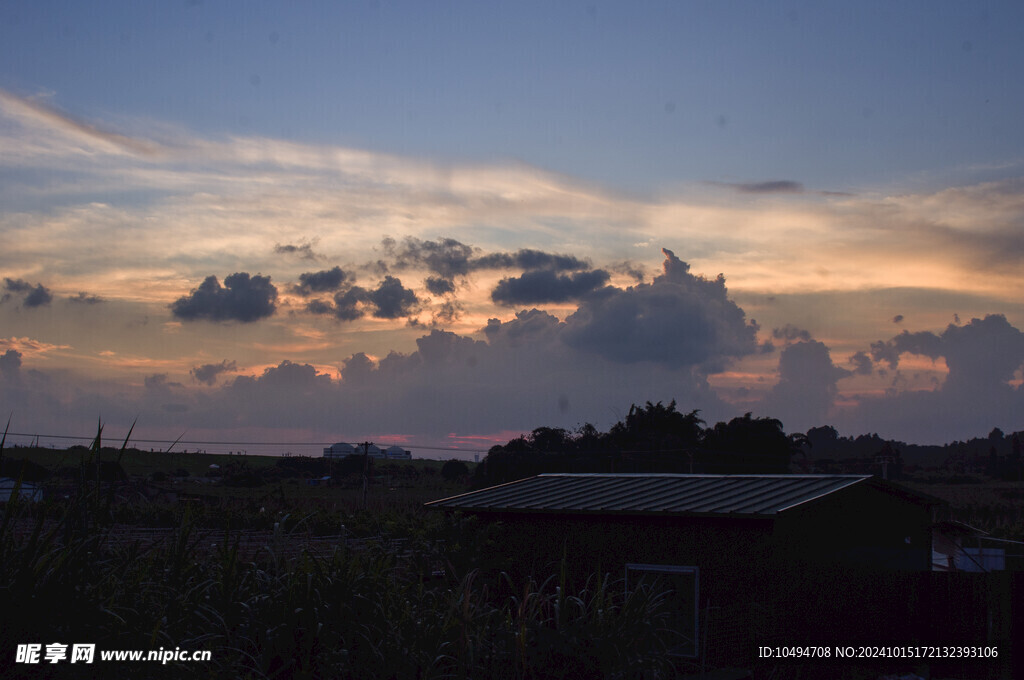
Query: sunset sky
[[443, 224]]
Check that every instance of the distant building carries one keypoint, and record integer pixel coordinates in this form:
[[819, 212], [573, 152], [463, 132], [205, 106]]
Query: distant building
[[339, 450], [342, 449], [398, 453]]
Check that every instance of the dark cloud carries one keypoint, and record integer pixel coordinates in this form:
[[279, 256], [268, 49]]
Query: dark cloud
[[304, 251], [10, 362], [159, 382], [981, 358], [924, 343], [347, 305], [529, 259], [17, 285], [862, 364], [984, 352], [319, 307], [988, 349], [207, 373], [635, 271], [36, 295], [679, 319], [439, 286], [536, 287], [791, 333], [321, 282], [445, 257], [85, 299], [449, 258], [807, 386], [783, 186], [529, 326], [390, 300], [448, 312], [243, 298], [898, 318]]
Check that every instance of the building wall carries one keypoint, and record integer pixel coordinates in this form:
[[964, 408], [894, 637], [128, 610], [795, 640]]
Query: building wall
[[860, 527], [732, 554]]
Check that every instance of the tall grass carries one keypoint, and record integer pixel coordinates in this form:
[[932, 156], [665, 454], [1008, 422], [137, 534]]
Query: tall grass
[[373, 612]]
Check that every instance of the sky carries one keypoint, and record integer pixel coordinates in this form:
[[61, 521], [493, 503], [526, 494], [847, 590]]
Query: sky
[[268, 227]]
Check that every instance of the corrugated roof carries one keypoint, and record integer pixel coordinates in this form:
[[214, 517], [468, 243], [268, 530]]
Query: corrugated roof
[[763, 495]]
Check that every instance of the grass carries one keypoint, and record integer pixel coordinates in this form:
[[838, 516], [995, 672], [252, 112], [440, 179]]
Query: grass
[[422, 608], [368, 613]]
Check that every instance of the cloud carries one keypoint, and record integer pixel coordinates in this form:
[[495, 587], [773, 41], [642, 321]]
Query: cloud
[[446, 257], [38, 297], [898, 318], [242, 298], [679, 319], [537, 287], [783, 186], [17, 286], [159, 382], [439, 286], [390, 300], [321, 281], [207, 373], [984, 352], [981, 357], [862, 364], [34, 112], [35, 296], [348, 305], [450, 259], [791, 333], [10, 362], [807, 387], [85, 298], [447, 313], [924, 343], [530, 259], [304, 251]]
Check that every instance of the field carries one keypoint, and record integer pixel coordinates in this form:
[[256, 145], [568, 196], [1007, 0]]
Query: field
[[285, 579], [279, 574]]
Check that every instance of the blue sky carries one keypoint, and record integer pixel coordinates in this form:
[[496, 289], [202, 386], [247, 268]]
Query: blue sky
[[853, 171], [636, 95]]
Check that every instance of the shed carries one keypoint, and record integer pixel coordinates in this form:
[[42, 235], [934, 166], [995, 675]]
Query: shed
[[812, 548], [854, 519]]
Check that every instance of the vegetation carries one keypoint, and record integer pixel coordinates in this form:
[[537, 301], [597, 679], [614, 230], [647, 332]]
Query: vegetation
[[652, 438], [401, 593], [280, 575]]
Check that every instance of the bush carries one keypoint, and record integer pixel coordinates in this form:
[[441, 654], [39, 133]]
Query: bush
[[454, 469]]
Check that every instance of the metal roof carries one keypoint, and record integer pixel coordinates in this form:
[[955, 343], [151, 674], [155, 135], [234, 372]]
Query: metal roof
[[671, 494]]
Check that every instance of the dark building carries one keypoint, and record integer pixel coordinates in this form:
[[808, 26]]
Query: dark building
[[763, 559]]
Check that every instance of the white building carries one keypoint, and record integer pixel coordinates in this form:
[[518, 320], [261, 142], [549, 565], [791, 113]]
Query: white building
[[398, 453], [341, 449]]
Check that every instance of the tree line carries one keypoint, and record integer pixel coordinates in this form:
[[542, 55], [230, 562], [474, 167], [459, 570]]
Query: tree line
[[654, 437]]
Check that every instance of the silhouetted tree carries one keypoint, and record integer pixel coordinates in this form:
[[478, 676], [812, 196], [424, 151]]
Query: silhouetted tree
[[748, 445], [454, 469]]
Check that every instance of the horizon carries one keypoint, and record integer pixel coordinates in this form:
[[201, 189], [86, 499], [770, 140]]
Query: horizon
[[451, 226]]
